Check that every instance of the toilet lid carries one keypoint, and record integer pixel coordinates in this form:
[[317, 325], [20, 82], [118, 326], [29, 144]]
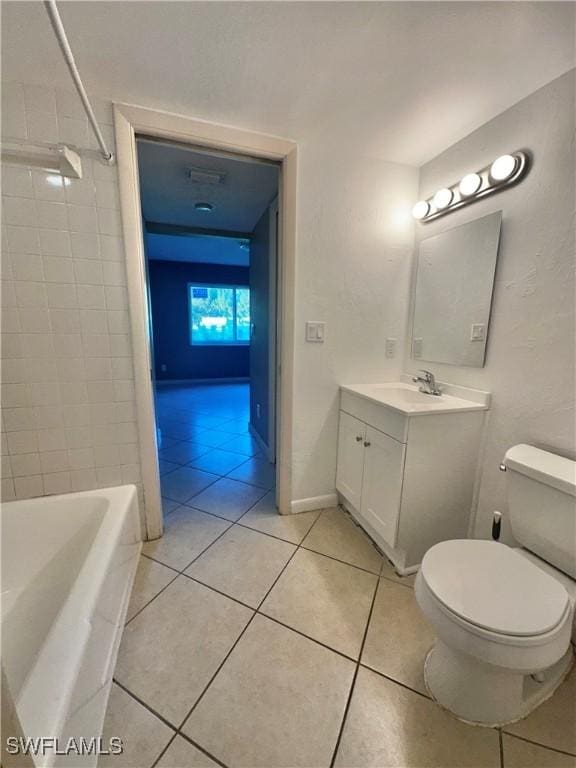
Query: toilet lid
[[490, 585]]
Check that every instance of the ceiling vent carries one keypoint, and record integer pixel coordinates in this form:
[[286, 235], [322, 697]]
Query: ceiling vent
[[206, 176]]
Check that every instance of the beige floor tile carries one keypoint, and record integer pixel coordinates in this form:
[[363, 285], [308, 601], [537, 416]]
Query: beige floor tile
[[265, 517], [521, 754], [182, 754], [151, 578], [337, 536], [389, 573], [243, 564], [398, 637], [388, 726], [324, 599], [170, 651], [143, 735], [187, 532], [278, 701], [553, 723], [228, 498]]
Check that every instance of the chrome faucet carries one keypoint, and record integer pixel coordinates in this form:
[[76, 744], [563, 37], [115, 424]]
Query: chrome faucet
[[427, 383]]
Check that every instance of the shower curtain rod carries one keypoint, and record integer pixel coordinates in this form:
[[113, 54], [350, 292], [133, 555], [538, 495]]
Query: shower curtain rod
[[60, 33]]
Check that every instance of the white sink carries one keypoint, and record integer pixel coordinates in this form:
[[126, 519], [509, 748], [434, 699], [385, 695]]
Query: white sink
[[407, 399]]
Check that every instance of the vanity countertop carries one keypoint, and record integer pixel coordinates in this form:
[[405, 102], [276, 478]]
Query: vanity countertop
[[407, 399]]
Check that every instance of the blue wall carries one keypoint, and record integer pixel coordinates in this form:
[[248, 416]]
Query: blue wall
[[170, 323]]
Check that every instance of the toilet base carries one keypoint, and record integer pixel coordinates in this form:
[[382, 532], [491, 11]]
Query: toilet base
[[485, 695]]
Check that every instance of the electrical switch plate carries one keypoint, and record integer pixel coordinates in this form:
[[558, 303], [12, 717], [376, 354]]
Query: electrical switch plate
[[315, 331], [417, 348], [390, 347], [477, 332]]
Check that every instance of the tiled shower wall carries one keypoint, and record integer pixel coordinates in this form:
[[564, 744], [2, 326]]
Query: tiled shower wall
[[68, 415]]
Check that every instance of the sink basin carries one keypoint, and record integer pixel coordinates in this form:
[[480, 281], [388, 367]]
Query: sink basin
[[407, 398]]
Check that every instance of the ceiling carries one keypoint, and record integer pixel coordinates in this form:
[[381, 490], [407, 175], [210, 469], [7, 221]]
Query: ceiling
[[169, 195], [400, 81], [205, 250]]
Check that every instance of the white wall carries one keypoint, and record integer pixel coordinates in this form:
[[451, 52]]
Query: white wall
[[68, 419], [354, 246], [531, 346]]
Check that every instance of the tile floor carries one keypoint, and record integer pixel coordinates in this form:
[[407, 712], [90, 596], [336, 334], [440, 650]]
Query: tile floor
[[259, 640]]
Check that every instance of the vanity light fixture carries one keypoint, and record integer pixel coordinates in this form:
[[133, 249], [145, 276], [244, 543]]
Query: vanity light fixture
[[503, 172], [503, 167], [421, 209], [470, 184], [443, 198]]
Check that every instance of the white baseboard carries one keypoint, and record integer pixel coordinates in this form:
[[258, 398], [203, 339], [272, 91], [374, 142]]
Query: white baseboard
[[314, 502], [167, 382], [263, 447]]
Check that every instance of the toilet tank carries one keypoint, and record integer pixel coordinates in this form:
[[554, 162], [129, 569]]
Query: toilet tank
[[541, 489]]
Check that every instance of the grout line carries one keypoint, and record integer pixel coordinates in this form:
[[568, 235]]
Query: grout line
[[537, 743], [201, 748], [161, 755], [396, 682], [196, 703], [146, 706], [501, 747], [355, 676]]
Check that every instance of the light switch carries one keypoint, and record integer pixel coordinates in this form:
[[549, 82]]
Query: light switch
[[417, 348], [478, 332], [390, 347], [315, 331]]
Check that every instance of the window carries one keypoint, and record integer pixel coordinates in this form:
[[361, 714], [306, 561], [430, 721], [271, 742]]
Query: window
[[219, 314]]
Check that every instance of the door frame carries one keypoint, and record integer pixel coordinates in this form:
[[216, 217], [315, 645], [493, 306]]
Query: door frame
[[129, 121]]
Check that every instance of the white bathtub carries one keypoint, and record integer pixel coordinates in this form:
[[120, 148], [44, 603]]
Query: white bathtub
[[68, 564]]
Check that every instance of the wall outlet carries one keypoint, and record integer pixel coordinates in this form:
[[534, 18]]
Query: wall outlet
[[315, 331], [417, 348], [258, 410], [163, 368], [390, 347]]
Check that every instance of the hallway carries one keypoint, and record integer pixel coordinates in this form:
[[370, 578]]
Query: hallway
[[206, 452]]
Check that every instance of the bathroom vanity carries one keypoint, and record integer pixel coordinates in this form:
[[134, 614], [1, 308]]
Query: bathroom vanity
[[407, 464]]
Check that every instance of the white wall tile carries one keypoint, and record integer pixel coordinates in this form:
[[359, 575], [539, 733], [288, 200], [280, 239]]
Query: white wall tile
[[68, 373], [52, 215], [17, 181], [29, 487], [85, 245], [57, 482], [23, 239], [82, 218], [58, 269], [19, 211], [55, 243]]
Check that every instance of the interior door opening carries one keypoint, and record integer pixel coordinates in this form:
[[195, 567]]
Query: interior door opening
[[210, 224]]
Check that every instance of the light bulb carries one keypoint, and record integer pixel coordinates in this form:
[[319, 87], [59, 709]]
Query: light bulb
[[421, 209], [470, 184], [443, 198], [503, 167]]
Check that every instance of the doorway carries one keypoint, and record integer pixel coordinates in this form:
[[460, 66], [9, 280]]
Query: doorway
[[210, 222], [129, 121]]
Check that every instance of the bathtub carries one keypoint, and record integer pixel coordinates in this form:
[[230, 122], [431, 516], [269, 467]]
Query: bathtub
[[68, 565]]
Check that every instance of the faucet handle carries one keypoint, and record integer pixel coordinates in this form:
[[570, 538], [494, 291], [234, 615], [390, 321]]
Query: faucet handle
[[428, 375]]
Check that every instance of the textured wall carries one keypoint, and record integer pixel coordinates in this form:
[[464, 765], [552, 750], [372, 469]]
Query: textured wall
[[170, 321], [530, 352], [355, 240], [68, 419]]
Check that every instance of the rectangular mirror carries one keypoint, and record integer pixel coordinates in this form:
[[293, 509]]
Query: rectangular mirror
[[454, 286]]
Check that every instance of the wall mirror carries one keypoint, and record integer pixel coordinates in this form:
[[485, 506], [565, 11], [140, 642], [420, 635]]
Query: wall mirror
[[454, 284]]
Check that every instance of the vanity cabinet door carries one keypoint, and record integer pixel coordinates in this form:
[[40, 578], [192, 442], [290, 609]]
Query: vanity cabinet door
[[350, 468], [382, 485]]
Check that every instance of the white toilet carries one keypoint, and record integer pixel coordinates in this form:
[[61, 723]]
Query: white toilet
[[504, 616]]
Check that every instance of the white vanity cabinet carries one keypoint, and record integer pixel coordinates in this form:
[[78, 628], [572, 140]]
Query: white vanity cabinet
[[407, 477]]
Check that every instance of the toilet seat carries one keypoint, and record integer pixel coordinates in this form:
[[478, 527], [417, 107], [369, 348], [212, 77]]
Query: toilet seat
[[493, 589]]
